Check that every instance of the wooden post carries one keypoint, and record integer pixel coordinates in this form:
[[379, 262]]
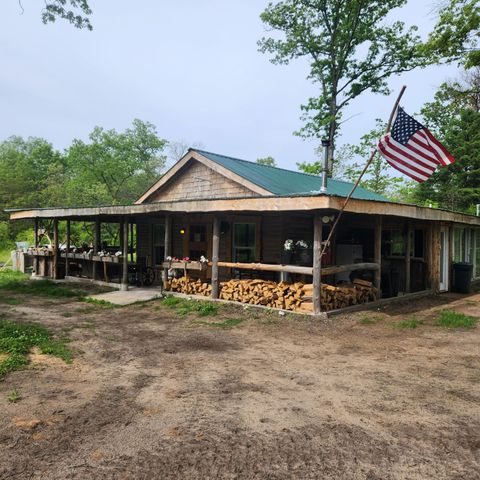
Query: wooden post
[[36, 262], [408, 249], [378, 255], [168, 244], [55, 249], [125, 255], [67, 264], [215, 253], [131, 241], [317, 263], [96, 243], [427, 253], [435, 258]]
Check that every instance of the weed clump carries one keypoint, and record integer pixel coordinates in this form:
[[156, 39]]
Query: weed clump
[[451, 319], [17, 339]]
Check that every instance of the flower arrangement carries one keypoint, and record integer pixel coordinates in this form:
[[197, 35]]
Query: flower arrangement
[[289, 245], [203, 259], [301, 244]]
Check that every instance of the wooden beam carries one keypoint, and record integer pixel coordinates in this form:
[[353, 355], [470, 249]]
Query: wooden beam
[[55, 249], [168, 244], [408, 249], [96, 243], [125, 255], [377, 256], [317, 263], [36, 262], [67, 263], [215, 253], [268, 267]]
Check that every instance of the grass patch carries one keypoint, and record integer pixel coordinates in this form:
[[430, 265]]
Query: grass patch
[[370, 320], [171, 301], [20, 283], [409, 323], [17, 339], [66, 314], [11, 300], [15, 396], [186, 307], [451, 319], [99, 303], [228, 323]]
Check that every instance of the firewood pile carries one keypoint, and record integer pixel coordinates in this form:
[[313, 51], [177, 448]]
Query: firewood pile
[[285, 296], [189, 286]]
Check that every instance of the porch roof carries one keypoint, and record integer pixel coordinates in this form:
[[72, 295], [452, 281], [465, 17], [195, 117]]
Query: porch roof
[[257, 204]]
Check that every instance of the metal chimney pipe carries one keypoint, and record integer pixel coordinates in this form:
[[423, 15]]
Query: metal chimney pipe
[[325, 145]]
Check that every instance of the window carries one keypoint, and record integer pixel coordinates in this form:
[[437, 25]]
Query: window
[[158, 243], [244, 242], [459, 245], [394, 243], [417, 243], [197, 242]]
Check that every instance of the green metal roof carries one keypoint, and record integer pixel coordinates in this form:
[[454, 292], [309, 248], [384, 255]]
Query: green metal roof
[[280, 181]]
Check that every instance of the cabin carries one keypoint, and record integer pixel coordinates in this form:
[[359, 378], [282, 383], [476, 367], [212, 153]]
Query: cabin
[[231, 229]]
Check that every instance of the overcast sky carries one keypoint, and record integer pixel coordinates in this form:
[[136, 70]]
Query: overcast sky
[[190, 67]]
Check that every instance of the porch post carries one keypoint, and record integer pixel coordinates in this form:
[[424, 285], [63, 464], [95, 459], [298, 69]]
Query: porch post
[[125, 255], [96, 243], [215, 253], [55, 249], [168, 245], [407, 258], [435, 258], [378, 255], [35, 236], [67, 264], [131, 242], [317, 263]]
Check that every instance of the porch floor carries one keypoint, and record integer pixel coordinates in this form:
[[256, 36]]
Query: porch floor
[[133, 295]]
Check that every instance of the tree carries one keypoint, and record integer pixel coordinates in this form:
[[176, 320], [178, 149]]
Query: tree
[[454, 117], [177, 149], [270, 161], [27, 168], [350, 47], [74, 11], [456, 35], [114, 168]]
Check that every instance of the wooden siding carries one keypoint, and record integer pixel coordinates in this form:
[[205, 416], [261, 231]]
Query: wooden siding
[[197, 181]]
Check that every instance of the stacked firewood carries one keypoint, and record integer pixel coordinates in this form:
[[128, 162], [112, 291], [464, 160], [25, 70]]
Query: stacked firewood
[[188, 286], [296, 296], [262, 292]]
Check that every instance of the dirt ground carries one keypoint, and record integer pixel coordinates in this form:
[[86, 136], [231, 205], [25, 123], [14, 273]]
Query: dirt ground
[[153, 394]]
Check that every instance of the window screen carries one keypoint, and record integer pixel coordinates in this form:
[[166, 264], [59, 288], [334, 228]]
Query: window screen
[[244, 242]]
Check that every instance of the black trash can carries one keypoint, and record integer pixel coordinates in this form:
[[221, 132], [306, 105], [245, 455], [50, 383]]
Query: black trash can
[[462, 277]]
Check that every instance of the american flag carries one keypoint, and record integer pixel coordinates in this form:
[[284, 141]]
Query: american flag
[[412, 149]]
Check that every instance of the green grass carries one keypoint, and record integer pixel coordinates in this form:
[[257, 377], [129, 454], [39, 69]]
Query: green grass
[[99, 303], [11, 300], [14, 396], [450, 319], [66, 314], [228, 323], [370, 320], [20, 283], [5, 255], [409, 323], [186, 307], [17, 339]]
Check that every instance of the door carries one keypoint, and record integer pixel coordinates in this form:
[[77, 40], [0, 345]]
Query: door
[[444, 255]]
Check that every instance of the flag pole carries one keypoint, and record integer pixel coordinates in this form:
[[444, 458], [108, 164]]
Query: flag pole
[[369, 161]]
